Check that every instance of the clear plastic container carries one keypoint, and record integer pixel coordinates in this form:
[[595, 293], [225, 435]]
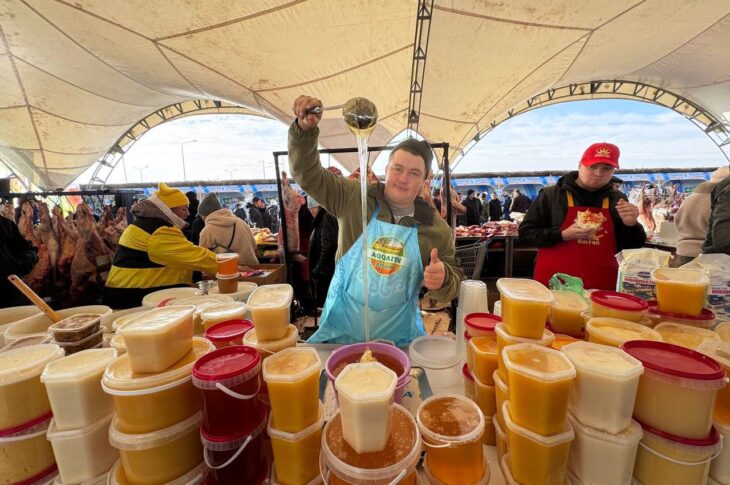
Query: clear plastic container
[[565, 313], [685, 335], [539, 385], [72, 384], [680, 290], [296, 455], [117, 343], [485, 397], [365, 394], [677, 390], [396, 464], [605, 386], [10, 315], [102, 479], [501, 392], [452, 427], [243, 291], [469, 385], [229, 380], [720, 466], [614, 332], [501, 438], [706, 319], [484, 356], [270, 347], [430, 479], [168, 296], [196, 476], [563, 340], [150, 402], [157, 339], [600, 457], [228, 333], [534, 458], [116, 319], [27, 456], [723, 330], [84, 453], [662, 458], [480, 324], [614, 304], [525, 306], [38, 324], [230, 310], [76, 327], [27, 342], [22, 395], [227, 263], [201, 303], [227, 284], [441, 360], [292, 376], [504, 339], [720, 352], [93, 341], [269, 306], [160, 456]]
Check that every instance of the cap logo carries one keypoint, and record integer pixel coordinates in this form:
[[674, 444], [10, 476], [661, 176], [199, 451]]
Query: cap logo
[[603, 153]]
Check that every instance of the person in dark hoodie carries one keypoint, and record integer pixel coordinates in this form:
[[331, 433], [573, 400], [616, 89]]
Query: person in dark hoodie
[[580, 223], [257, 213], [17, 256], [322, 251]]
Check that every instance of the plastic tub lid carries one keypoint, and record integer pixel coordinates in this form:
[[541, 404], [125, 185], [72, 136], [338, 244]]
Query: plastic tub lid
[[117, 342], [204, 301], [223, 309], [145, 441], [685, 335], [467, 337], [706, 315], [271, 346], [484, 322], [675, 360], [165, 296], [467, 373], [53, 434], [618, 331], [547, 337], [713, 439], [603, 360], [232, 276], [72, 323], [120, 380], [619, 301], [123, 320], [24, 363], [220, 257], [553, 440], [228, 330], [271, 296], [524, 289], [158, 319], [282, 435], [292, 364], [719, 351], [498, 382], [681, 276], [627, 437], [434, 352], [244, 287], [233, 442], [384, 383], [228, 366], [471, 435], [541, 363], [36, 339], [569, 300], [78, 366]]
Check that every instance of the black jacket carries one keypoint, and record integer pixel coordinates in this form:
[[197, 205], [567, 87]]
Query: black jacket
[[541, 226], [495, 210], [473, 211], [196, 227], [259, 217], [17, 256], [520, 204], [506, 207], [322, 251], [718, 230]]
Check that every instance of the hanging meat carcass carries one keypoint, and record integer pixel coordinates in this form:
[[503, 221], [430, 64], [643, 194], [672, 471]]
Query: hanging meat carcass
[[114, 230], [292, 202], [8, 211], [91, 260], [46, 235], [69, 237], [40, 278]]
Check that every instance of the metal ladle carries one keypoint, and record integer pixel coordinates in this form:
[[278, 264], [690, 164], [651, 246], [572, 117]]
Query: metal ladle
[[360, 114]]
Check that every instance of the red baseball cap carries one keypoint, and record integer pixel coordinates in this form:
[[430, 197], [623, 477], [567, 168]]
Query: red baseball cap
[[607, 153]]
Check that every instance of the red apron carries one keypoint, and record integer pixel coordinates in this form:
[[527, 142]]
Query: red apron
[[593, 259]]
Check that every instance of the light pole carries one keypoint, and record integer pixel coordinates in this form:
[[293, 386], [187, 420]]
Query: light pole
[[231, 172], [141, 178], [182, 154], [263, 168]]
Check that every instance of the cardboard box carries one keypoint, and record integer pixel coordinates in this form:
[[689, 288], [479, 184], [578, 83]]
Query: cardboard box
[[274, 273]]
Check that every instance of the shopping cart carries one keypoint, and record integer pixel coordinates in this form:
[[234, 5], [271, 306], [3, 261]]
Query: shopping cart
[[471, 258]]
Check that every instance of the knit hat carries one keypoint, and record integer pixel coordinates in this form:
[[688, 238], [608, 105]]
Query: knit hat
[[171, 197], [419, 147], [209, 204]]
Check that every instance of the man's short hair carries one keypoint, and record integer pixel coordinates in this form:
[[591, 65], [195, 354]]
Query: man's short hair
[[420, 148]]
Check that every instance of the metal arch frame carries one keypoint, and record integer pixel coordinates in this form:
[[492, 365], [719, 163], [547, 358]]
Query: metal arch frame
[[106, 164], [418, 67], [717, 131]]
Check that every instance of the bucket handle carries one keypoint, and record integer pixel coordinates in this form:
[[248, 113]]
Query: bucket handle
[[429, 445], [236, 395], [400, 477], [680, 462], [231, 459]]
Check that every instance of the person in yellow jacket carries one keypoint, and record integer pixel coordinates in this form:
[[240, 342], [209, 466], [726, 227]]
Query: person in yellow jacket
[[153, 253]]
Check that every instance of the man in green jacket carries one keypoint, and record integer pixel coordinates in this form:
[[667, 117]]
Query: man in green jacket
[[408, 244]]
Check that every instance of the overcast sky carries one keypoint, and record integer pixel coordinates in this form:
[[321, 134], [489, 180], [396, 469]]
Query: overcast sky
[[551, 138]]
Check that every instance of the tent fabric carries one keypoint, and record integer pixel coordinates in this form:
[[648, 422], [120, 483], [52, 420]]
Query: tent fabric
[[76, 75]]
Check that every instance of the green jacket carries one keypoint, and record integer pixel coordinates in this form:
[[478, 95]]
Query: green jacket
[[341, 198]]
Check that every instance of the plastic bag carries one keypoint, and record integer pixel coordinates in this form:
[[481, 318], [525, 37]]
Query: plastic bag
[[634, 270], [718, 293], [565, 282]]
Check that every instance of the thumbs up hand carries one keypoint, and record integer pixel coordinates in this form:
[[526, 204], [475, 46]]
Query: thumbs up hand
[[435, 273]]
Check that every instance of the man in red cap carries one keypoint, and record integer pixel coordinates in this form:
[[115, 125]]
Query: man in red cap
[[580, 223]]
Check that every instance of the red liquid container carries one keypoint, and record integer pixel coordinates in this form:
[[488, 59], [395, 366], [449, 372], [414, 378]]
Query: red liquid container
[[230, 380], [228, 333], [236, 459]]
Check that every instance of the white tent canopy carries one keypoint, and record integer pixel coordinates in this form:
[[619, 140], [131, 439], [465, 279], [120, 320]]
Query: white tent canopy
[[76, 76]]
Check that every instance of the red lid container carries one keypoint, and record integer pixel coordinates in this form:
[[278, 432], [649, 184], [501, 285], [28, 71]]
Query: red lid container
[[480, 324], [229, 379], [674, 360], [230, 332], [712, 439], [467, 337], [705, 319], [619, 301], [467, 373]]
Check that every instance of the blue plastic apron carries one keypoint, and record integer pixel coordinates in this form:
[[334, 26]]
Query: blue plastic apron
[[395, 274]]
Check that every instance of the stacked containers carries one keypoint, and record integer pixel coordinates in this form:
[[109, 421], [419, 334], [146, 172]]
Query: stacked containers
[[601, 404], [614, 331], [157, 421], [484, 357], [539, 434], [270, 312], [78, 332], [720, 351], [229, 310], [680, 290], [565, 313], [25, 414], [292, 378], [674, 405], [233, 419], [82, 412], [228, 274], [685, 335]]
